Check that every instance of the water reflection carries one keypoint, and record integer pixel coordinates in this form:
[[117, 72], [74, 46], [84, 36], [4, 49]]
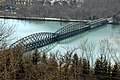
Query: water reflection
[[47, 48], [67, 41]]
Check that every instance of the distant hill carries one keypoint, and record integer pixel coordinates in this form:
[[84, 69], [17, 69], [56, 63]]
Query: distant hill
[[68, 9]]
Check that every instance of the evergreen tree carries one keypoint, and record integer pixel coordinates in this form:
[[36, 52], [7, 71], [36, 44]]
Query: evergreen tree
[[86, 66], [75, 65], [101, 68], [109, 70], [115, 72], [20, 72], [52, 68], [44, 59], [36, 56], [97, 67]]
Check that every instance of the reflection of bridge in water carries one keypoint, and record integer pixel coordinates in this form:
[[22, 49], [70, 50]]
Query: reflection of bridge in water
[[38, 40], [50, 47], [66, 43]]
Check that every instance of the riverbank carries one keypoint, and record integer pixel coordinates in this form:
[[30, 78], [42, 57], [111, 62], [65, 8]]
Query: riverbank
[[44, 19]]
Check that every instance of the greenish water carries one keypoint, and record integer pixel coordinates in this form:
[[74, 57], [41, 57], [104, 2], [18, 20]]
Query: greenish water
[[26, 27]]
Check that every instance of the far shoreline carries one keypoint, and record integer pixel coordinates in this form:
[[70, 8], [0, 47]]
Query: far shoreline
[[43, 19], [49, 19]]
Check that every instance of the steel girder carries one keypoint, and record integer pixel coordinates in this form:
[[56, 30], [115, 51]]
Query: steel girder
[[68, 28], [34, 41]]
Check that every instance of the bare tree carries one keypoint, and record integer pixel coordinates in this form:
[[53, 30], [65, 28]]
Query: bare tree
[[87, 49], [5, 33]]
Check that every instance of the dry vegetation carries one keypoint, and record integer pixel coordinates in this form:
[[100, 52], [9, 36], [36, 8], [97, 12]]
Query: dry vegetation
[[90, 9], [82, 65]]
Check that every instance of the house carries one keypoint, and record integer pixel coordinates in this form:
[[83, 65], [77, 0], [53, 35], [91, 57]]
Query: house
[[2, 6], [24, 2], [11, 10]]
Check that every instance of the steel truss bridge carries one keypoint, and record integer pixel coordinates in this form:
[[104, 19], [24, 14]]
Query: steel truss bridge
[[41, 39]]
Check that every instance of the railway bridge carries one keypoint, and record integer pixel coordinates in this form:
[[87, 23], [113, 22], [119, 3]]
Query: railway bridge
[[41, 39]]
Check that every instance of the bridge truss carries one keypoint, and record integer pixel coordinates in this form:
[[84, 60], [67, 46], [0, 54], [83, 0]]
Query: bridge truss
[[34, 41], [38, 40]]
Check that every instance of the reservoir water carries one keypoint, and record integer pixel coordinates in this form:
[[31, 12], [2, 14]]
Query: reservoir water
[[26, 27]]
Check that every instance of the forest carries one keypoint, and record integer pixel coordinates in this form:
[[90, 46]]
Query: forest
[[89, 9], [84, 62], [71, 9]]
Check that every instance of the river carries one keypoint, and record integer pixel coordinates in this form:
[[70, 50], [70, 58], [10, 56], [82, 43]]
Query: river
[[26, 27]]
